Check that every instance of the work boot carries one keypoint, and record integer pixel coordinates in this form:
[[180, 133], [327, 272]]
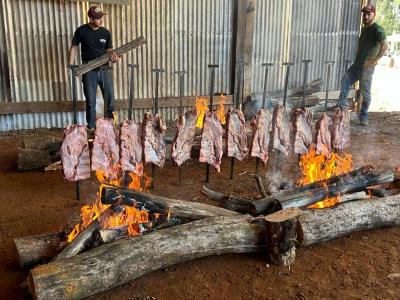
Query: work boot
[[364, 122]]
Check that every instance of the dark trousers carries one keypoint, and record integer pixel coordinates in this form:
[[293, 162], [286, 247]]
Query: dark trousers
[[103, 78]]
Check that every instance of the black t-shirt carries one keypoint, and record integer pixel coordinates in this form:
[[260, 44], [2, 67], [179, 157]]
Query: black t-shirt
[[93, 42]]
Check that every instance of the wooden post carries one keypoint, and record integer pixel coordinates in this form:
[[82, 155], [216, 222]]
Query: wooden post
[[244, 13]]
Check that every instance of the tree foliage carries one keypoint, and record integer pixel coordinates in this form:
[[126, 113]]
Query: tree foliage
[[388, 15]]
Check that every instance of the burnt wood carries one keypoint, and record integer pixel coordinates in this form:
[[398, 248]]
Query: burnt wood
[[178, 208]]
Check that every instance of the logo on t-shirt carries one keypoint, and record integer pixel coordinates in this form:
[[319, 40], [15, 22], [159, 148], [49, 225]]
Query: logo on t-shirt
[[103, 41]]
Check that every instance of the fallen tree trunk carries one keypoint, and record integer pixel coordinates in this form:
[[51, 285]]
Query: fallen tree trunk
[[178, 208], [38, 249], [119, 262], [320, 225]]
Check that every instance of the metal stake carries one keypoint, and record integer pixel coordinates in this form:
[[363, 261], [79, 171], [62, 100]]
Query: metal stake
[[237, 101], [212, 79], [75, 113], [306, 62], [155, 111], [328, 77], [264, 100], [287, 64], [180, 75]]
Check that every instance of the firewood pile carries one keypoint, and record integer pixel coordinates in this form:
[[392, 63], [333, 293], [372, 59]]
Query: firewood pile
[[98, 259]]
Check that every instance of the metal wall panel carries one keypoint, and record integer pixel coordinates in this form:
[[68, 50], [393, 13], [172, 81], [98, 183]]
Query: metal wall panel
[[181, 35], [294, 30]]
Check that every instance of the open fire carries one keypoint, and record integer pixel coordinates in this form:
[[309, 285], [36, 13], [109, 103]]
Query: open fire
[[202, 108], [128, 217], [317, 167]]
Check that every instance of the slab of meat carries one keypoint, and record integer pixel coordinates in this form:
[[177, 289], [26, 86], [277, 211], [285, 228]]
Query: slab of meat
[[281, 129], [262, 127], [303, 131], [131, 147], [323, 135], [340, 129], [211, 141], [153, 131], [236, 137], [105, 154], [75, 153], [183, 141]]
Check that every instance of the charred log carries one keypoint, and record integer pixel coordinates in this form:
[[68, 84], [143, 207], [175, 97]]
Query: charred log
[[179, 208], [119, 262]]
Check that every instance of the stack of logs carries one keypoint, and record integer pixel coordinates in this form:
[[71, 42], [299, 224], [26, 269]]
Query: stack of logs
[[274, 224]]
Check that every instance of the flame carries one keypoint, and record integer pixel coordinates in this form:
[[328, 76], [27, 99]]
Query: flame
[[129, 216], [202, 108], [317, 167]]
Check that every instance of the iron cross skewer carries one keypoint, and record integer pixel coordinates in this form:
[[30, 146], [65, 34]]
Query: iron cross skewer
[[180, 76], [237, 100], [75, 113], [155, 111], [212, 79], [288, 65], [264, 100]]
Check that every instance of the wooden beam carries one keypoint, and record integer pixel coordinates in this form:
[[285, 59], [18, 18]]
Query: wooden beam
[[334, 95], [245, 13], [63, 106]]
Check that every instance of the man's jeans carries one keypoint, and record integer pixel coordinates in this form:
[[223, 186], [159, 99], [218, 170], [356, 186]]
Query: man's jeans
[[365, 77], [90, 80]]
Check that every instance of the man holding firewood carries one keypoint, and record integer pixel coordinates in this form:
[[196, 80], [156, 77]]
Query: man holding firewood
[[95, 41], [372, 45]]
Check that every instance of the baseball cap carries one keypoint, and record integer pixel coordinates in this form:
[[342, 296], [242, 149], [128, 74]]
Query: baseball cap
[[95, 12], [369, 8]]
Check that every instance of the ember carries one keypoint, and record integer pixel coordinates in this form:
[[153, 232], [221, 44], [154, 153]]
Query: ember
[[317, 167]]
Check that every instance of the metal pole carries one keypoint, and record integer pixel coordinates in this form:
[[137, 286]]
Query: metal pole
[[328, 77], [212, 78], [75, 113], [155, 111], [180, 76], [264, 100], [131, 89], [287, 64], [238, 101], [306, 62]]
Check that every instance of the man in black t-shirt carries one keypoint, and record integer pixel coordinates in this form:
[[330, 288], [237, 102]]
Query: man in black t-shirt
[[95, 41], [372, 45]]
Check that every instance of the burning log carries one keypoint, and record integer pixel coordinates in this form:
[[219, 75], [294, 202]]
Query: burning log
[[119, 262], [111, 234], [178, 208], [36, 249], [306, 198]]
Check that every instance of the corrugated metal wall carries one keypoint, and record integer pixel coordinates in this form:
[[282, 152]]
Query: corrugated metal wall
[[294, 30], [181, 34]]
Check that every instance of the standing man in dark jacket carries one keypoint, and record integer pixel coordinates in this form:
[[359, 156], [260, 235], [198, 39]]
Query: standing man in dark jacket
[[95, 41], [372, 45]]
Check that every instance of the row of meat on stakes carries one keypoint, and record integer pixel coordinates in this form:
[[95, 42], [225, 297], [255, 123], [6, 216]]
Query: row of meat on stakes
[[282, 129]]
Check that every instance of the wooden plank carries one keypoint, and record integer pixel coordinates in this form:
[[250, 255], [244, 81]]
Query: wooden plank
[[65, 106], [122, 2], [332, 95]]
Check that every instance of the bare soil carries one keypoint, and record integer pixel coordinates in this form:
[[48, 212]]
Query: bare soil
[[365, 265]]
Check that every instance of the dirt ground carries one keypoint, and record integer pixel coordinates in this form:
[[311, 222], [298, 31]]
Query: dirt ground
[[364, 265]]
